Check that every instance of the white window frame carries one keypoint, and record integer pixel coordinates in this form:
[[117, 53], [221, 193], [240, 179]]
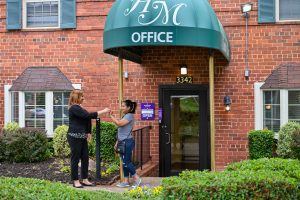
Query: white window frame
[[49, 108], [24, 15], [258, 105], [277, 13]]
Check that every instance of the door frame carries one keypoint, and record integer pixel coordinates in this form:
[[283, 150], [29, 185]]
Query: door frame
[[204, 128]]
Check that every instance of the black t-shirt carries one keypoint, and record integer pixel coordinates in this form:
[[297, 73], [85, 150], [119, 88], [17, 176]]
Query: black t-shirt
[[80, 120]]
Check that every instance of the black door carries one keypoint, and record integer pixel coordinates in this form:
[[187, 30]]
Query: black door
[[184, 141]]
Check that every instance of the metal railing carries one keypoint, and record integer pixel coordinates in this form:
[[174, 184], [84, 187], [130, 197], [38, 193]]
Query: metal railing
[[141, 151]]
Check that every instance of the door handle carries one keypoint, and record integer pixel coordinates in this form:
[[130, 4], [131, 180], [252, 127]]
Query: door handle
[[169, 138]]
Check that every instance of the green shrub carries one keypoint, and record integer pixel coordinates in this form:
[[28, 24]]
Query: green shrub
[[287, 167], [60, 143], [26, 145], [295, 144], [2, 148], [108, 140], [261, 144], [11, 126], [23, 188], [230, 185], [284, 149]]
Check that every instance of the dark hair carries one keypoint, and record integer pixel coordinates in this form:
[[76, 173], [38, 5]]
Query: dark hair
[[130, 104]]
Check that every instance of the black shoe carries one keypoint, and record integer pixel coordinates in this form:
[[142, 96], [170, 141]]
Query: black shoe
[[80, 186], [88, 185]]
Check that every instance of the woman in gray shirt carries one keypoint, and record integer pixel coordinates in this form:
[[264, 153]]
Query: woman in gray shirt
[[125, 126]]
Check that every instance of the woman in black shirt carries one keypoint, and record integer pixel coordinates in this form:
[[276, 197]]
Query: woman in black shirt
[[79, 132]]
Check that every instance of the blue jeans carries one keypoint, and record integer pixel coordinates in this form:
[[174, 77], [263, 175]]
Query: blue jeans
[[128, 166]]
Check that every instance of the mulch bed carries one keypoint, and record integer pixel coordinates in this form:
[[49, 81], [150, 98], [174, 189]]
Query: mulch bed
[[50, 169]]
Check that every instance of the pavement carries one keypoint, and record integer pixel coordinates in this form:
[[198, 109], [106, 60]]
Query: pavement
[[146, 181]]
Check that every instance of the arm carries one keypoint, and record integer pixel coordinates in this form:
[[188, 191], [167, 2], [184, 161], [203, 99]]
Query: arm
[[121, 122], [82, 113]]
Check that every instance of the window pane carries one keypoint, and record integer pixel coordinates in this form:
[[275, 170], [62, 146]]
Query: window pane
[[60, 108], [294, 105], [29, 98], [15, 107], [271, 110], [35, 112], [42, 14], [289, 10]]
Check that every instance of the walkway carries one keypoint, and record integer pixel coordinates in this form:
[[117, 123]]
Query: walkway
[[146, 181]]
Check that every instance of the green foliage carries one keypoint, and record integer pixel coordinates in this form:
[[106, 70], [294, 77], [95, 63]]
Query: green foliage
[[2, 148], [22, 188], [26, 145], [261, 143], [145, 192], [240, 181], [111, 167], [60, 143], [108, 140], [64, 167], [284, 148], [295, 144], [11, 127], [287, 167]]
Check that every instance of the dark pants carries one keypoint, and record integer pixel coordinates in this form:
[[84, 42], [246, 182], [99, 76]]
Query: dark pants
[[79, 151], [128, 166]]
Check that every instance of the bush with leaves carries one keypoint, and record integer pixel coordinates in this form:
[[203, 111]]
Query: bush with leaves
[[11, 127], [26, 145], [261, 143], [2, 147], [284, 148], [295, 144], [270, 180], [60, 143], [108, 140], [25, 188]]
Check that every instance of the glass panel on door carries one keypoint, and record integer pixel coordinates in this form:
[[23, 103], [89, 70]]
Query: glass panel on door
[[184, 132]]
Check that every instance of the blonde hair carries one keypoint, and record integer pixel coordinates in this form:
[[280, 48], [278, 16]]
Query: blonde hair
[[75, 97]]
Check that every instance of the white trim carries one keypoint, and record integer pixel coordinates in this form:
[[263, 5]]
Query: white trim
[[77, 86], [24, 16], [21, 109], [277, 18], [49, 113], [284, 105], [258, 105], [7, 104]]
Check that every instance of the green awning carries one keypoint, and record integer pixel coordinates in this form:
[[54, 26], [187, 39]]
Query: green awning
[[132, 24]]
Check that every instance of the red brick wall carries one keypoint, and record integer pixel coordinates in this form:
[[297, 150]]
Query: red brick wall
[[78, 53]]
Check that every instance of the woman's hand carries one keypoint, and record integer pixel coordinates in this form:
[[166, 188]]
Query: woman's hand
[[89, 137], [116, 145], [105, 110]]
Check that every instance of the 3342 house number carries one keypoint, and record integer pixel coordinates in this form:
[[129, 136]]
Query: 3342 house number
[[184, 79]]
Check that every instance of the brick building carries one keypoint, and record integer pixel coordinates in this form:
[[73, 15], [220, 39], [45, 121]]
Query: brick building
[[64, 39]]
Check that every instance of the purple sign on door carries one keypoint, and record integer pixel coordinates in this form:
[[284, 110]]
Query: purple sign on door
[[147, 111]]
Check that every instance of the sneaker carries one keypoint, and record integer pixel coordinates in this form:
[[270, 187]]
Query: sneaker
[[137, 183], [123, 185]]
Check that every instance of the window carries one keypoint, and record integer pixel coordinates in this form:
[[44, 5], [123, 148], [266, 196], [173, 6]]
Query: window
[[35, 109], [44, 110], [274, 108], [288, 10], [41, 13], [60, 108], [294, 106], [15, 107], [271, 108]]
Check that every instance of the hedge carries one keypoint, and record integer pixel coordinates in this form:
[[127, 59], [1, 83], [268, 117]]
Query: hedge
[[285, 141], [108, 140], [237, 182], [25, 145], [261, 144], [60, 144], [24, 188]]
